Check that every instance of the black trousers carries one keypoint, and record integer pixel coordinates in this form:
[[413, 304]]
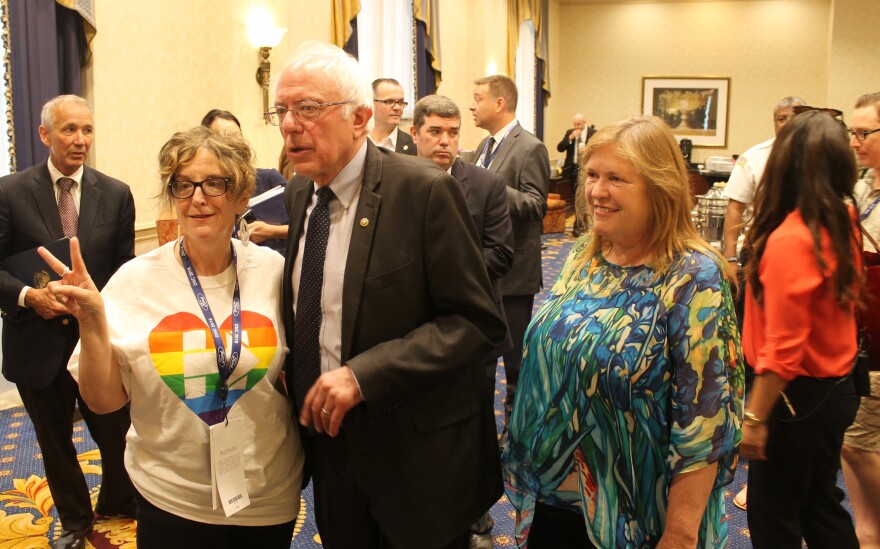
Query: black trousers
[[341, 508], [158, 529], [793, 494], [51, 411], [518, 310], [557, 528]]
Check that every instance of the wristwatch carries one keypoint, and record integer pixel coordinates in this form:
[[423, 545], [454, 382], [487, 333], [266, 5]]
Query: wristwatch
[[751, 418], [732, 259]]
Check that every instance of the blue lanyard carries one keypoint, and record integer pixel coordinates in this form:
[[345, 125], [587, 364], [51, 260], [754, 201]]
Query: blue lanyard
[[224, 368], [864, 215], [488, 161]]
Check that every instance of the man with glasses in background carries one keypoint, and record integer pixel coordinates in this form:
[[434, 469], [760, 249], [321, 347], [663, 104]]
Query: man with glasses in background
[[388, 105], [861, 442], [389, 316]]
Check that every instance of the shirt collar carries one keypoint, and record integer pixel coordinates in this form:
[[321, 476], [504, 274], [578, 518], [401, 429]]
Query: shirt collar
[[348, 180], [389, 141], [502, 133], [55, 174]]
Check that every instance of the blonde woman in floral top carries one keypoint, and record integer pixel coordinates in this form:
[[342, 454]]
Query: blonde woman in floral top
[[626, 424]]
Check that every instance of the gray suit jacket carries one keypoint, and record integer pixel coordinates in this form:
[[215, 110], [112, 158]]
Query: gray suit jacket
[[486, 197], [524, 165], [34, 349], [418, 320]]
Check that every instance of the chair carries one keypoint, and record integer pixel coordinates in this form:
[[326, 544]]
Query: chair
[[554, 220]]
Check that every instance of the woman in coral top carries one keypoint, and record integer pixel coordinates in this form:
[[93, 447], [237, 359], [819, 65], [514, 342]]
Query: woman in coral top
[[800, 334]]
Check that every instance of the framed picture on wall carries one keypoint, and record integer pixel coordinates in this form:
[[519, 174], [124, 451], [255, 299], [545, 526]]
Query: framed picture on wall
[[695, 107]]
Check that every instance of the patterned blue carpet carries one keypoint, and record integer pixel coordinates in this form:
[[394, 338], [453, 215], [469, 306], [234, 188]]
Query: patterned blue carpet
[[28, 518]]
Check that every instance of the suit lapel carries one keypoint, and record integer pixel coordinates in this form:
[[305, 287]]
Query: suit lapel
[[460, 173], [504, 148], [297, 214], [89, 206], [44, 196], [361, 246]]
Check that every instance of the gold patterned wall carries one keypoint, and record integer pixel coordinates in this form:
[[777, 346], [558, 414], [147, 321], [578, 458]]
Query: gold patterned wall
[[768, 48], [159, 66]]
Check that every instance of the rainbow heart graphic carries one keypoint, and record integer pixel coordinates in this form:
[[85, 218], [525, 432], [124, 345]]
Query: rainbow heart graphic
[[185, 357]]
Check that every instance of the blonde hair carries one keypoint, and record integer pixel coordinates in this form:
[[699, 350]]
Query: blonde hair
[[231, 151], [648, 143]]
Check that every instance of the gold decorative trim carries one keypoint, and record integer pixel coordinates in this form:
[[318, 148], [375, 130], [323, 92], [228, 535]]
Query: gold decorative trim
[[7, 80]]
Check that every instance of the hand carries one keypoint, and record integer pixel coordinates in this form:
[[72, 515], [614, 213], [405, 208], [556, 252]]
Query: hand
[[260, 231], [573, 135], [75, 294], [754, 441], [330, 398], [44, 303], [667, 542]]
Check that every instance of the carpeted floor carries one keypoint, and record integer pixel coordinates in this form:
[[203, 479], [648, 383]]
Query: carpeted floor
[[28, 518]]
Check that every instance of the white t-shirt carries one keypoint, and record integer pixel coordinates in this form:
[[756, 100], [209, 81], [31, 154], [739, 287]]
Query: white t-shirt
[[169, 369], [743, 182]]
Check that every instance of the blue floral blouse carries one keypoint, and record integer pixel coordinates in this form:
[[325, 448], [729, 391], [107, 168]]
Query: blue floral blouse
[[628, 379]]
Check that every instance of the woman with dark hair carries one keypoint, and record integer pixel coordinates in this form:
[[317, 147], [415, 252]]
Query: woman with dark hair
[[259, 232], [803, 283]]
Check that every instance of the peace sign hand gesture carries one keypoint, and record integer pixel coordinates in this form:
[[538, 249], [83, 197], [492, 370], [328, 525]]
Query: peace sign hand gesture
[[75, 292]]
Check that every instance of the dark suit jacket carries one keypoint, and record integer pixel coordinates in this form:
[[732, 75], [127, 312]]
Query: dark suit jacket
[[486, 197], [568, 147], [417, 321], [34, 349], [524, 165], [405, 144]]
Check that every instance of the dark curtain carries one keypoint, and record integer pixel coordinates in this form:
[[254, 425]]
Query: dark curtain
[[48, 50], [352, 45], [425, 79], [540, 99]]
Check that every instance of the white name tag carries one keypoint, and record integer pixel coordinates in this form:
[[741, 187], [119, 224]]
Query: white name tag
[[227, 467]]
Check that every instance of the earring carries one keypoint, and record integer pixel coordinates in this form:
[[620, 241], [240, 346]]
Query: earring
[[243, 231]]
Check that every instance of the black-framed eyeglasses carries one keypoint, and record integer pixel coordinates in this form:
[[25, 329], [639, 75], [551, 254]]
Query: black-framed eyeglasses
[[861, 135], [391, 102], [304, 111], [213, 186], [834, 113]]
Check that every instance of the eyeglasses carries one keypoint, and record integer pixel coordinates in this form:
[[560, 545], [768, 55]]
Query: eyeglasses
[[834, 113], [861, 135], [213, 186], [302, 111], [391, 102]]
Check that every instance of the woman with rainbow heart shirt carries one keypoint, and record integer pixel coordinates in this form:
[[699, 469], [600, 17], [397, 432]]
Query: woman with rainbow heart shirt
[[190, 337]]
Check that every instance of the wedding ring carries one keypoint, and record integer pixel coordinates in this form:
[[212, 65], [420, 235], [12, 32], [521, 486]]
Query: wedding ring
[[325, 412], [65, 271]]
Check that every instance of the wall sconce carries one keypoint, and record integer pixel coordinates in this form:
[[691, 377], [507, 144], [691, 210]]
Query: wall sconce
[[263, 34]]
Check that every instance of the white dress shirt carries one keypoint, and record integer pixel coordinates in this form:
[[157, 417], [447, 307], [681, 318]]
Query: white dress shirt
[[346, 186]]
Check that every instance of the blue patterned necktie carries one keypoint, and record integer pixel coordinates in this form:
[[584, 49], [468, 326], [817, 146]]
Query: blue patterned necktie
[[307, 324]]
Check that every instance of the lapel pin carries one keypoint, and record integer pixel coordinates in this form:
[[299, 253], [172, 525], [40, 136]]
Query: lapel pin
[[364, 222]]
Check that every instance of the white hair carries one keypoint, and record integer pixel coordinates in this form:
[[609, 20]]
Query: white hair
[[340, 67], [47, 115]]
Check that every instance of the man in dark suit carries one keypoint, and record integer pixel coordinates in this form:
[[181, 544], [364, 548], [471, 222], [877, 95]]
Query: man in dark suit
[[436, 130], [388, 105], [37, 208], [523, 163], [386, 364], [572, 144]]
